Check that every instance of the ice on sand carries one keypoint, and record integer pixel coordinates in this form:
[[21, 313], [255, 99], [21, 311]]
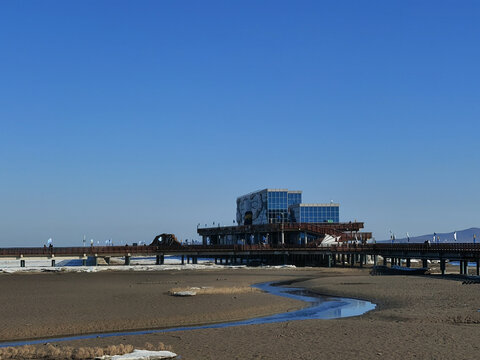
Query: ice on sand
[[141, 355]]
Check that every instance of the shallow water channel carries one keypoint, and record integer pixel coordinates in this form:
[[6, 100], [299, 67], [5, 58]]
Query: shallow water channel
[[320, 307]]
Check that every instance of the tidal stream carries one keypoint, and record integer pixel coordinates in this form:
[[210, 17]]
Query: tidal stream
[[319, 307]]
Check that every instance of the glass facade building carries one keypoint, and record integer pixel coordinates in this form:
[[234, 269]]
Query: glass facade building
[[268, 206], [278, 202], [273, 206], [315, 213]]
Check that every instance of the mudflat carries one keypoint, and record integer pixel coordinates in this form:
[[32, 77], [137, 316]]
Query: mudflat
[[424, 317], [38, 305]]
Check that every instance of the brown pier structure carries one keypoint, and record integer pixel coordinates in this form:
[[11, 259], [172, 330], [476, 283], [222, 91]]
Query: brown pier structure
[[266, 254], [283, 233]]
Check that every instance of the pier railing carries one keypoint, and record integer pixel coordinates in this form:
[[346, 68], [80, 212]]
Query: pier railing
[[153, 250]]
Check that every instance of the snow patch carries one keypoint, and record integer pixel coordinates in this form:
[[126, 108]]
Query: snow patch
[[184, 293], [141, 355], [33, 265]]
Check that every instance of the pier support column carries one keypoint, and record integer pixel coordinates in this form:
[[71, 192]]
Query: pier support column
[[329, 260], [95, 260], [361, 260], [424, 263], [478, 267], [160, 259], [22, 263], [384, 261], [465, 271], [375, 260], [442, 266], [183, 259], [127, 259], [84, 260], [408, 263], [53, 262]]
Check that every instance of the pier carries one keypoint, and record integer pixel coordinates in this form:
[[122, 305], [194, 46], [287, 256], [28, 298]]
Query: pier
[[252, 255]]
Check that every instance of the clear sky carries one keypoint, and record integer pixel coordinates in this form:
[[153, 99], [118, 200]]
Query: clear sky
[[126, 119]]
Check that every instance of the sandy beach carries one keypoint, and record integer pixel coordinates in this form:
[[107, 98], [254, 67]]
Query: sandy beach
[[425, 317]]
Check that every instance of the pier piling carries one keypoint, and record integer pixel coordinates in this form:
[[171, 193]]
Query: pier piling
[[442, 266]]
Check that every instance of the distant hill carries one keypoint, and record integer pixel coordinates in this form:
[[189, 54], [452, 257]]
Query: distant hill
[[463, 236]]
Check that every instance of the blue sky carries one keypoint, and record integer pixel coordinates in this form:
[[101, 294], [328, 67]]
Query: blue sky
[[126, 119]]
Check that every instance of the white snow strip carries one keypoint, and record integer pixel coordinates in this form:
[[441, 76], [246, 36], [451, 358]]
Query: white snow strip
[[142, 355], [184, 293], [33, 265]]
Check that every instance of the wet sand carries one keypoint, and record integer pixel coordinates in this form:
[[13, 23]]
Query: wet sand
[[424, 317]]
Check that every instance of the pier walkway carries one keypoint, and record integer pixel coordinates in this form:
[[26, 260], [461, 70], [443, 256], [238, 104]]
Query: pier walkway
[[344, 255]]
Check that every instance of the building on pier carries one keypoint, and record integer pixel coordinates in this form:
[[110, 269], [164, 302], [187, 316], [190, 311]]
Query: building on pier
[[278, 217], [315, 213], [275, 206], [268, 206]]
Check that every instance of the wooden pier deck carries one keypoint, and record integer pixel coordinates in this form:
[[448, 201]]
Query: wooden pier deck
[[350, 255]]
